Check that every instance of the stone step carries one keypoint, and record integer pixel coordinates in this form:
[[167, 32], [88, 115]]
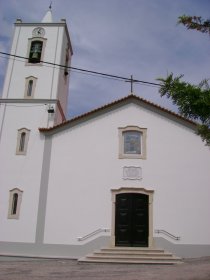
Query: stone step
[[131, 255], [130, 250], [136, 257], [136, 249], [131, 261]]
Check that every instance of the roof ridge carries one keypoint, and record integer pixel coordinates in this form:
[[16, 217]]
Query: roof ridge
[[115, 102]]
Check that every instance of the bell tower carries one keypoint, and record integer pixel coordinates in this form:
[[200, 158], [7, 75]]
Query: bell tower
[[38, 70], [34, 95]]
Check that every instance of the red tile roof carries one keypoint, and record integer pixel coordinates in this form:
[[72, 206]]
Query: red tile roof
[[128, 99]]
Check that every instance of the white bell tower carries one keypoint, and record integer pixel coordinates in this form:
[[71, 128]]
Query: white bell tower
[[34, 95], [43, 76]]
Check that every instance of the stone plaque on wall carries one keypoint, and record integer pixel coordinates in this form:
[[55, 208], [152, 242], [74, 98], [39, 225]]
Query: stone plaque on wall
[[132, 173]]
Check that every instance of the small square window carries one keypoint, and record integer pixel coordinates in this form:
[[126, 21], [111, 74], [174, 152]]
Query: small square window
[[132, 142]]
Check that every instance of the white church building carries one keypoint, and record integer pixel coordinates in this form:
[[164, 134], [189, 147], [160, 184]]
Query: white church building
[[130, 175]]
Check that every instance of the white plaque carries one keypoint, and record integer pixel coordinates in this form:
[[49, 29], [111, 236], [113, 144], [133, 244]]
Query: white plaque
[[132, 173]]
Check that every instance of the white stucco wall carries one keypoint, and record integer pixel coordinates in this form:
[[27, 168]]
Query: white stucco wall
[[21, 171], [24, 171], [63, 80], [85, 167]]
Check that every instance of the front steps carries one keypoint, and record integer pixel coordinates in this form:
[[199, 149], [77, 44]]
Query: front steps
[[132, 255]]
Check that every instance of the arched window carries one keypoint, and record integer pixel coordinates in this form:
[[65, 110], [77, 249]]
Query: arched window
[[22, 141], [15, 198], [35, 52], [30, 87], [30, 84], [14, 203]]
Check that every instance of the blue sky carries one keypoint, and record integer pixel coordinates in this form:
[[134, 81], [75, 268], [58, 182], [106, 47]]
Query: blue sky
[[119, 37]]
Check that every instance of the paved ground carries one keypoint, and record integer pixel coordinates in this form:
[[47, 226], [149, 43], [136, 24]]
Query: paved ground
[[45, 269]]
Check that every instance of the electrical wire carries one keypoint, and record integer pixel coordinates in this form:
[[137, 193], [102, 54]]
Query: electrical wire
[[86, 71]]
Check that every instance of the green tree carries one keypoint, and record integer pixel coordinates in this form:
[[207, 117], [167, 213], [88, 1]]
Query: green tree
[[193, 101], [196, 23]]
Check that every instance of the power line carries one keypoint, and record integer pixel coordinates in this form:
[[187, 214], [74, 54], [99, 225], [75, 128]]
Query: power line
[[88, 71]]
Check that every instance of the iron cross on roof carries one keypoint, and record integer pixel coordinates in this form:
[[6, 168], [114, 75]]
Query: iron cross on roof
[[132, 81]]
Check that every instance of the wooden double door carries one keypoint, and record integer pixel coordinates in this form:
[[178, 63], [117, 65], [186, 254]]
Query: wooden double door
[[131, 220]]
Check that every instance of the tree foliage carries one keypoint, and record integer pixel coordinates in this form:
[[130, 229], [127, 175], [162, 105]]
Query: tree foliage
[[193, 101], [196, 23]]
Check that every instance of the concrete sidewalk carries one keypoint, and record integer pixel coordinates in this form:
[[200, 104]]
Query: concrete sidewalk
[[49, 269]]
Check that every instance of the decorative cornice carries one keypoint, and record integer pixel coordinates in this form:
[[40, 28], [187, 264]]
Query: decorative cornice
[[31, 101], [20, 23]]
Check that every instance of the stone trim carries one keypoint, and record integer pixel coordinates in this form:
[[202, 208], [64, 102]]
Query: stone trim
[[28, 79], [143, 132], [30, 41], [12, 192], [25, 144]]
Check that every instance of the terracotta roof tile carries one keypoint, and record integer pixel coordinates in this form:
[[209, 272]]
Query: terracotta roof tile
[[128, 98]]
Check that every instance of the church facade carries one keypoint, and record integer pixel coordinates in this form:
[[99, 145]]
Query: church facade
[[128, 174]]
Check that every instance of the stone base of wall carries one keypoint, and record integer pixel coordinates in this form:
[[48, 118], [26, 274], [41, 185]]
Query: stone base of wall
[[78, 251]]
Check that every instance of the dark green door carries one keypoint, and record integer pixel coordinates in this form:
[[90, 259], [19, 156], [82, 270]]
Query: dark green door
[[131, 220]]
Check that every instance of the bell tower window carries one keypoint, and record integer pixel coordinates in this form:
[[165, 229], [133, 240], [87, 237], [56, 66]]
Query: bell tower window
[[30, 87], [67, 58], [35, 52], [30, 84]]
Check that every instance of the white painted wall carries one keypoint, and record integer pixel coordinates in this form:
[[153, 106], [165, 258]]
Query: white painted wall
[[21, 171], [24, 171], [85, 167], [63, 81]]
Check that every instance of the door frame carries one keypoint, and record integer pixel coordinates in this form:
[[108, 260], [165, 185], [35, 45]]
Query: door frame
[[150, 202]]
